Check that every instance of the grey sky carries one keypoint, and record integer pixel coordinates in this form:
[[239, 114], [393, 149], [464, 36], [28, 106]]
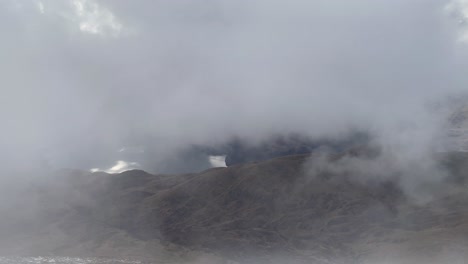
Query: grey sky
[[81, 79]]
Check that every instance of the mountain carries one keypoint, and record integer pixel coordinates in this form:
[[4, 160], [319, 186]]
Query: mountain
[[292, 209], [239, 151], [459, 128]]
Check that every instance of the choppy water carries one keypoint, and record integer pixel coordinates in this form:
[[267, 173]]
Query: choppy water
[[63, 260]]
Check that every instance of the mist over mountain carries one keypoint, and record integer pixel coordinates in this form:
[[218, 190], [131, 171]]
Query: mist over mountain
[[85, 79], [218, 131]]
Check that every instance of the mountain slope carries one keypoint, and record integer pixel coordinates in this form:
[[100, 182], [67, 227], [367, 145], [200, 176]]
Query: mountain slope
[[290, 209]]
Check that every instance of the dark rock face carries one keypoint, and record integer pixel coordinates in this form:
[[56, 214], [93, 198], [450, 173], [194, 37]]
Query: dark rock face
[[458, 130], [280, 208], [238, 151]]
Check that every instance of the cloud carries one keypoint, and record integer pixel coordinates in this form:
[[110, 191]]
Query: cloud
[[119, 167], [87, 16], [41, 7], [77, 86], [459, 10], [95, 19], [217, 161]]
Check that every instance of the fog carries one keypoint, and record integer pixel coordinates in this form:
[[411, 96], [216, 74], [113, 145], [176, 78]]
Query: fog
[[161, 86], [84, 79]]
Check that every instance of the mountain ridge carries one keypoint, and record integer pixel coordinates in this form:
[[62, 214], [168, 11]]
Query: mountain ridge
[[256, 212]]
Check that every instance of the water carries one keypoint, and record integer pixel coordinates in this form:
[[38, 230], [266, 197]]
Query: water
[[63, 260]]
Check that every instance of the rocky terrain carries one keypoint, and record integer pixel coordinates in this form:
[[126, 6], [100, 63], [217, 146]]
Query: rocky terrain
[[283, 210]]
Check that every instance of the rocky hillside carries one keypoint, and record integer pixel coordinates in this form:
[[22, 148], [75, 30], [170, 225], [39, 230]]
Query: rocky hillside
[[293, 209]]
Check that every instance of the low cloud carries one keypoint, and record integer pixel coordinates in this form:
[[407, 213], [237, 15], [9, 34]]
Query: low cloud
[[119, 167], [83, 78]]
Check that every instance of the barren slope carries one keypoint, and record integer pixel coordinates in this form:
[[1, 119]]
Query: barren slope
[[277, 209]]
